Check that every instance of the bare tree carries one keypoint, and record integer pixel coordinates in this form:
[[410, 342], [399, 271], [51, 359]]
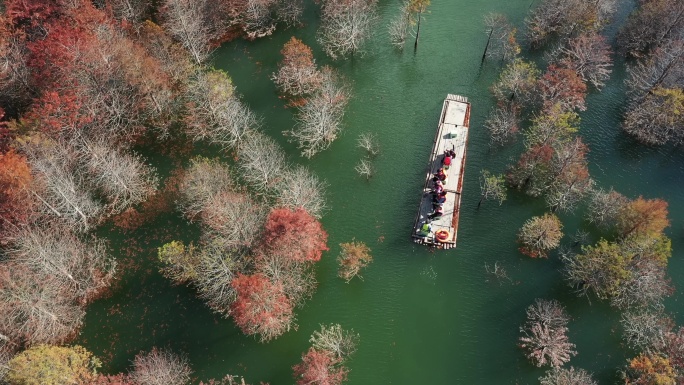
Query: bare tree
[[297, 74], [646, 288], [345, 26], [590, 55], [563, 376], [562, 18], [204, 179], [645, 330], [492, 187], [59, 187], [262, 162], [299, 187], [399, 25], [656, 120], [544, 334], [605, 207], [335, 340], [416, 10], [653, 24], [517, 82], [365, 168], [369, 142], [290, 11], [215, 112], [161, 367], [320, 120], [256, 18], [538, 235], [663, 69], [184, 19], [503, 123], [501, 42], [233, 219], [297, 279], [498, 272], [217, 268], [14, 73], [134, 11], [121, 178], [55, 253], [36, 309]]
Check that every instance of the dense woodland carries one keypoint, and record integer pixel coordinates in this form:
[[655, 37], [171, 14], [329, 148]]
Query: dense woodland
[[84, 86]]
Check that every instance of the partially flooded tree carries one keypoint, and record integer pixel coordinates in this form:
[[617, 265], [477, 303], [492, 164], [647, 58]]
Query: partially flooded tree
[[517, 83], [650, 368], [345, 26], [365, 168], [645, 330], [262, 163], [501, 42], [83, 268], [503, 123], [561, 86], [416, 10], [399, 25], [605, 207], [184, 19], [46, 364], [319, 121], [656, 120], [545, 339], [297, 74], [261, 307], [353, 257], [570, 376], [646, 288], [643, 217], [332, 338], [319, 368], [652, 24], [61, 189], [204, 179], [563, 18], [369, 142], [539, 235], [161, 367], [300, 188], [215, 113], [36, 309], [492, 187], [589, 55], [120, 177], [232, 219], [294, 235]]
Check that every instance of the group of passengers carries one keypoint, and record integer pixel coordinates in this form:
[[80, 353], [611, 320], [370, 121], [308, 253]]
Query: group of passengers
[[438, 193]]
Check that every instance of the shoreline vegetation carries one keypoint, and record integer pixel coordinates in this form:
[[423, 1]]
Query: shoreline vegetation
[[85, 85]]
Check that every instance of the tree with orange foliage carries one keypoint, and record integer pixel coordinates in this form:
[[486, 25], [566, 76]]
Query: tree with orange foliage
[[294, 235], [539, 235], [650, 369], [297, 74], [261, 307], [643, 217], [562, 86], [319, 368], [16, 203], [353, 257]]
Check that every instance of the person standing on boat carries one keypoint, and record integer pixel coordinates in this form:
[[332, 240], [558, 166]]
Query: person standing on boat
[[437, 213]]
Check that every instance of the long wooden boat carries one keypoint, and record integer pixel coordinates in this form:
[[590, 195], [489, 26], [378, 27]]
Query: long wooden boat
[[452, 134]]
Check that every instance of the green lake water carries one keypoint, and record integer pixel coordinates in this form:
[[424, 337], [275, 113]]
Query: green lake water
[[423, 317]]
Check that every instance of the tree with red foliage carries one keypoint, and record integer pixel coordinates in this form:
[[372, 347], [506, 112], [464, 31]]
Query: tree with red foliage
[[643, 217], [16, 203], [532, 170], [294, 235], [564, 87], [261, 307], [319, 368]]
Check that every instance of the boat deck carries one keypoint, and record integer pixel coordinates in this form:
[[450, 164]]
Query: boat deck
[[452, 133]]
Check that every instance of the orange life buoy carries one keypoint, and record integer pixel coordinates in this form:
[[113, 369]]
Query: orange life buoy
[[442, 235]]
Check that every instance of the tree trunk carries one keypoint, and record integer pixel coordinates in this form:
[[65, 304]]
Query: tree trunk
[[415, 44], [484, 54]]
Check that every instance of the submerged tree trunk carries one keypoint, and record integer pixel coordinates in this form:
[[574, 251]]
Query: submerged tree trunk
[[415, 44]]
